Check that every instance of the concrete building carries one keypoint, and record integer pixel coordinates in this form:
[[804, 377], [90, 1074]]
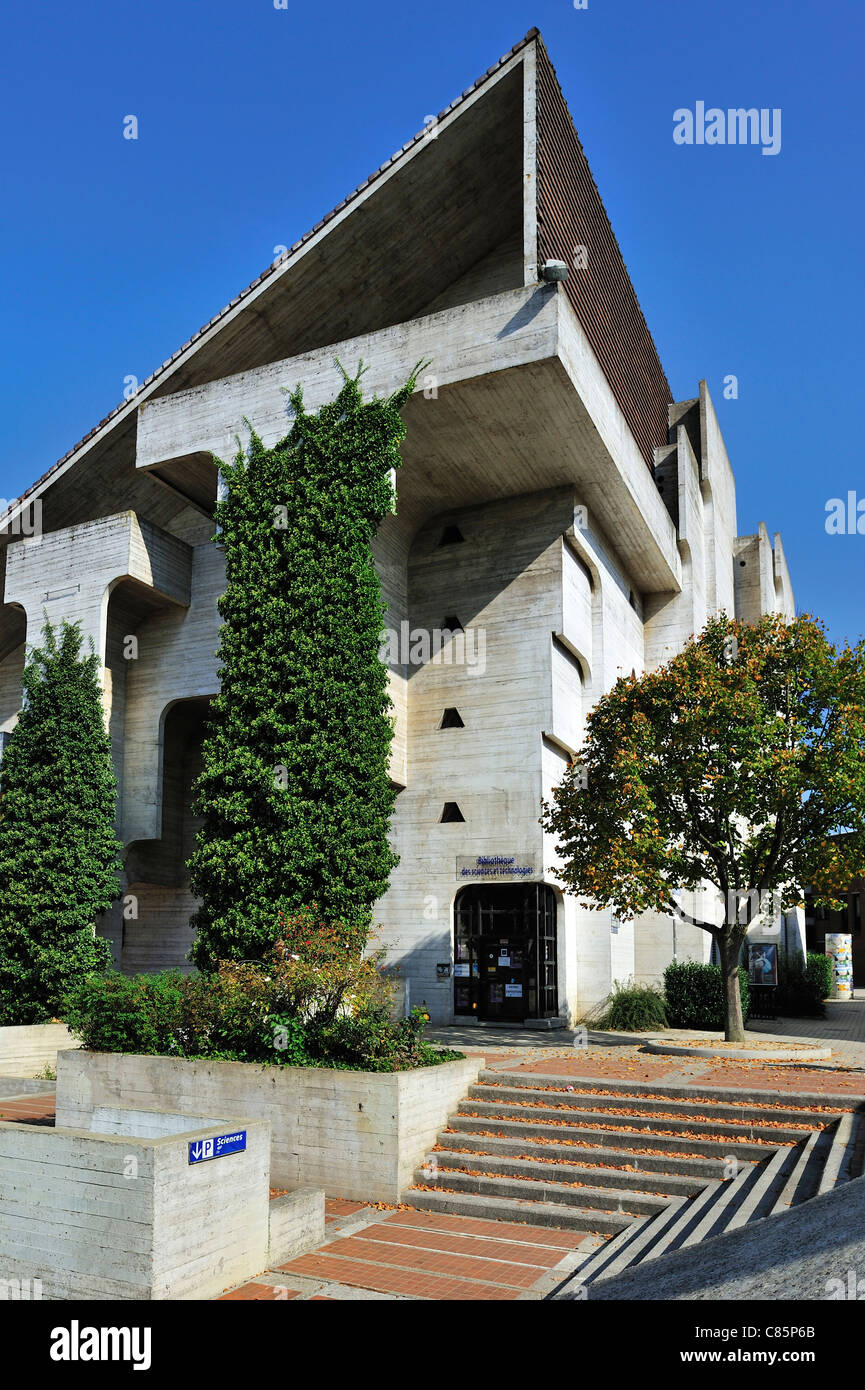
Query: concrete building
[[560, 518]]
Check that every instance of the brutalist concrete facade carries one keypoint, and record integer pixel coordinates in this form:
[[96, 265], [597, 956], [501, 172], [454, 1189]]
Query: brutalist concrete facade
[[560, 519]]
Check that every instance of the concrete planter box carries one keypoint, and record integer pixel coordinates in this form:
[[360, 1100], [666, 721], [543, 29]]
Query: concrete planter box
[[296, 1224], [118, 1211], [30, 1049], [354, 1134]]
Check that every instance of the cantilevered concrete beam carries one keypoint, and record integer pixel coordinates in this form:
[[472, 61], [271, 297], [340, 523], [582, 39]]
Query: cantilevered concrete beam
[[70, 573], [513, 401]]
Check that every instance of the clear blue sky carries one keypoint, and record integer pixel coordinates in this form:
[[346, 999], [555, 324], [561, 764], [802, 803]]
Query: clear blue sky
[[256, 121]]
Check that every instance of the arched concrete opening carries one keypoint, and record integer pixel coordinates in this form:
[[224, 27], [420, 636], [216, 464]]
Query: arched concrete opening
[[13, 639], [158, 936], [128, 604]]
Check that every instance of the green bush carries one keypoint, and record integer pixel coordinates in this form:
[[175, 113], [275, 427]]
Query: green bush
[[803, 984], [635, 1009], [121, 1013], [247, 1012], [695, 995], [372, 1041], [819, 974]]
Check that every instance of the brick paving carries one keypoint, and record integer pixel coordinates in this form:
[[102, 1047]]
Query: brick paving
[[255, 1293], [632, 1066], [422, 1255], [336, 1207], [33, 1110], [785, 1081]]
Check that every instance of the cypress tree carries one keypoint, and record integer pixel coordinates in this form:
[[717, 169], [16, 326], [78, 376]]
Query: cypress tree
[[295, 794], [59, 855]]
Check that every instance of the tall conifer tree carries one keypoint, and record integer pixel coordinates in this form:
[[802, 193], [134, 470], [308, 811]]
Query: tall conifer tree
[[59, 854], [295, 794]]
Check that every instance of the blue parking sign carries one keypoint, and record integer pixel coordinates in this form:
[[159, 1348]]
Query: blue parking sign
[[218, 1147]]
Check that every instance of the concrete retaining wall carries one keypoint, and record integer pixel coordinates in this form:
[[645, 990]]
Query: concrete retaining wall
[[28, 1050], [24, 1086], [354, 1134], [296, 1224], [118, 1216]]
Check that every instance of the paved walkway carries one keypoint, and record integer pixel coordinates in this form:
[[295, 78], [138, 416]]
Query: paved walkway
[[374, 1252], [34, 1110], [596, 1055]]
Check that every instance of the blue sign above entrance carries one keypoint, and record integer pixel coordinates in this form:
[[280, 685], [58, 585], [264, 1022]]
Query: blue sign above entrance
[[495, 866], [218, 1147]]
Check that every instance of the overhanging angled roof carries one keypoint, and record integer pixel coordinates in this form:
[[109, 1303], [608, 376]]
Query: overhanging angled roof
[[486, 184]]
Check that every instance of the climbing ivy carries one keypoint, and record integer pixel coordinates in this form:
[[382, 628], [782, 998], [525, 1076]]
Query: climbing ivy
[[294, 794]]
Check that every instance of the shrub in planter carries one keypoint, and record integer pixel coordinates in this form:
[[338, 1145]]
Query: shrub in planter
[[121, 1013], [695, 995], [635, 1009], [801, 985], [372, 1041], [819, 974], [284, 1011]]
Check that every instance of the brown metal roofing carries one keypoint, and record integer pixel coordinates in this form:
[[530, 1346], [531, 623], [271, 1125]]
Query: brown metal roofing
[[570, 215]]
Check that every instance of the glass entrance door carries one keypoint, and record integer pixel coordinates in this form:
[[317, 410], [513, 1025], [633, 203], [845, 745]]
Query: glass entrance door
[[505, 952], [503, 978]]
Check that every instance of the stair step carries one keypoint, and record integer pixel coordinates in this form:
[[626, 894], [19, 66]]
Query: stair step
[[802, 1180], [602, 1199], [682, 1106], [702, 1169], [727, 1199], [759, 1201], [542, 1170], [674, 1234], [494, 1208], [628, 1247], [620, 1140], [736, 1097], [570, 1115]]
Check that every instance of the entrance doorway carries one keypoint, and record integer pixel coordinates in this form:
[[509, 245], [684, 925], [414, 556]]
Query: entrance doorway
[[505, 952]]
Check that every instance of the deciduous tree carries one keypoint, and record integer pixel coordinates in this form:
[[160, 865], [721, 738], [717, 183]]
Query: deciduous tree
[[731, 767]]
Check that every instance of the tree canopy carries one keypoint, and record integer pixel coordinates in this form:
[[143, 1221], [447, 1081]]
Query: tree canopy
[[735, 764]]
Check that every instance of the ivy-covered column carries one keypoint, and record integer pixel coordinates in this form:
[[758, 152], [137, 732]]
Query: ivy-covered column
[[295, 794]]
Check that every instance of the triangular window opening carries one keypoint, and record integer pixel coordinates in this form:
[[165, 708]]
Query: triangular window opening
[[451, 535], [451, 719], [452, 624], [450, 813]]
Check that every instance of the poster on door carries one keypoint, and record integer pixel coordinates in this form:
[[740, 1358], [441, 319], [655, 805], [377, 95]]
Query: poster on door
[[513, 991]]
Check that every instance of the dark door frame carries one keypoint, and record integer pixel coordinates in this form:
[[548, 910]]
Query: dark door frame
[[523, 915]]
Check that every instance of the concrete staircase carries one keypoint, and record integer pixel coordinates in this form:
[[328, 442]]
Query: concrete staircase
[[642, 1168]]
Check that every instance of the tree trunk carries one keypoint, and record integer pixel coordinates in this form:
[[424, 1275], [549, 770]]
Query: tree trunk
[[729, 946]]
